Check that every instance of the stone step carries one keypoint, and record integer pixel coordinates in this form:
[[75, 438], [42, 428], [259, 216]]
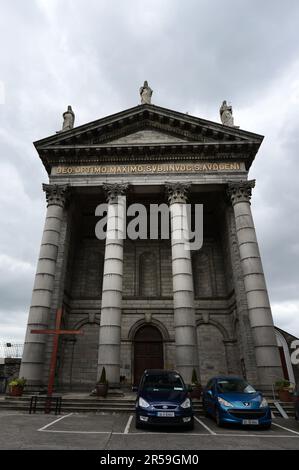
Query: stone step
[[105, 404], [67, 400]]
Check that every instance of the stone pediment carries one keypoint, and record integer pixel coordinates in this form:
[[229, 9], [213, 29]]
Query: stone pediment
[[148, 124], [147, 136], [144, 129]]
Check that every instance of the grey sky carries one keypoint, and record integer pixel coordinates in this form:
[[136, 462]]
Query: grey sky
[[94, 55]]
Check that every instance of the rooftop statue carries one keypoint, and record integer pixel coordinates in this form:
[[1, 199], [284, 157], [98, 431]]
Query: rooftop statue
[[68, 119], [226, 114], [145, 93]]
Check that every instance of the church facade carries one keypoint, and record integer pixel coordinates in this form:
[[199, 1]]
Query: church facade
[[150, 303]]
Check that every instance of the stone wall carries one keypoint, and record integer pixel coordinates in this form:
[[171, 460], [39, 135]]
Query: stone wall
[[9, 368]]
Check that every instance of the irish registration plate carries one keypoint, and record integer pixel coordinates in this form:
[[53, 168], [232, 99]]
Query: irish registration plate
[[166, 414], [250, 421]]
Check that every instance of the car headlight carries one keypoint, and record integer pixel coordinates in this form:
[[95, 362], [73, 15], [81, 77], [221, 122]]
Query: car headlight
[[143, 403], [264, 403], [224, 402], [186, 403]]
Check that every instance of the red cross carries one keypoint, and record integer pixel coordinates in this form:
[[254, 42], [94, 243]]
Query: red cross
[[57, 332]]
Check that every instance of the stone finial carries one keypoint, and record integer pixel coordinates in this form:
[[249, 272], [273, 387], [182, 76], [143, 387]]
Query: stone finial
[[226, 114], [177, 192], [145, 93], [56, 194], [240, 191], [68, 119]]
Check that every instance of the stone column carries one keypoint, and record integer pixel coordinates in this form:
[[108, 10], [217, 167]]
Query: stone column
[[182, 277], [33, 356], [259, 310], [110, 327]]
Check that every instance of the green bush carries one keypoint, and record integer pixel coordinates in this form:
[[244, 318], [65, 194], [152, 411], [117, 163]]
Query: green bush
[[18, 382], [282, 384]]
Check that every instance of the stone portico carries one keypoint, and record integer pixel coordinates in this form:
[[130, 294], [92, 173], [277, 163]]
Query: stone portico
[[150, 303]]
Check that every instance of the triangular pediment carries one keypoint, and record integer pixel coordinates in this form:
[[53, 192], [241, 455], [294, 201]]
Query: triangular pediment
[[146, 130], [146, 125], [147, 136]]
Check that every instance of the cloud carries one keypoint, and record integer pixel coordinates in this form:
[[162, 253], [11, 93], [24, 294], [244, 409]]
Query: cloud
[[94, 55], [286, 316]]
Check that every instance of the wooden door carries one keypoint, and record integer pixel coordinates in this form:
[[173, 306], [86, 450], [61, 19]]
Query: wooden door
[[148, 351]]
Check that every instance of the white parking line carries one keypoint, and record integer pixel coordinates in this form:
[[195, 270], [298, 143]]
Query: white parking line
[[53, 422], [256, 435], [201, 434], [81, 432], [127, 428], [205, 426], [287, 429]]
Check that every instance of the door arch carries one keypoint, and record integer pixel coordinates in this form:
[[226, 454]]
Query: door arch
[[148, 351]]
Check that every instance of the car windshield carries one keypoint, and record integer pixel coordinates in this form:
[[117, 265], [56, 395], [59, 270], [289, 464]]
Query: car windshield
[[234, 385], [156, 382]]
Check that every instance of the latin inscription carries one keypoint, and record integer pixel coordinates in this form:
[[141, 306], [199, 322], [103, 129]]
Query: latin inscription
[[147, 168]]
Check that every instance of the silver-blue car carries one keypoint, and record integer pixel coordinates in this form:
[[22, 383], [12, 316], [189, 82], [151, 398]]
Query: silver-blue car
[[233, 400]]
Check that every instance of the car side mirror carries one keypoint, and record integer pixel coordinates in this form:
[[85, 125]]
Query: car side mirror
[[134, 389]]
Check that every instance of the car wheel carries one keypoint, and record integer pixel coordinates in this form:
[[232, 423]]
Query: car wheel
[[138, 425], [218, 419], [267, 426], [205, 411], [190, 426]]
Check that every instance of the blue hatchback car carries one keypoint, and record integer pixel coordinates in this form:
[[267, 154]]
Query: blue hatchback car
[[233, 400], [163, 399]]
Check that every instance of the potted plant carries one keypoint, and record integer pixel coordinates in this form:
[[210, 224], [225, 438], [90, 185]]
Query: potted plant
[[16, 387], [285, 390], [102, 384], [196, 386]]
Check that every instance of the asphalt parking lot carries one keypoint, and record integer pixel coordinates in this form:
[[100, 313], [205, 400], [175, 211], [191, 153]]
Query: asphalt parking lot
[[105, 431]]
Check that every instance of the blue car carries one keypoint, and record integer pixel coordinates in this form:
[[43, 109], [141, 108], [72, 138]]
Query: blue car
[[233, 400], [163, 399]]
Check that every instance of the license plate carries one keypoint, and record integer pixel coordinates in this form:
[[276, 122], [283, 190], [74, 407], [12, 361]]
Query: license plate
[[166, 414], [250, 421]]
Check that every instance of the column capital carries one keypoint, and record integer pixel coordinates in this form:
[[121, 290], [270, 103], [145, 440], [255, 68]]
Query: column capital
[[56, 194], [113, 190], [177, 192], [240, 191]]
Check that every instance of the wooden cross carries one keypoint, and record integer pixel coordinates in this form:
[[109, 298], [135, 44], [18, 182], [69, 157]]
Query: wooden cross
[[56, 333]]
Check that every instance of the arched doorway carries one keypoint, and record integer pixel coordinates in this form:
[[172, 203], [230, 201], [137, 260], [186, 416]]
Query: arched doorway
[[148, 351]]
